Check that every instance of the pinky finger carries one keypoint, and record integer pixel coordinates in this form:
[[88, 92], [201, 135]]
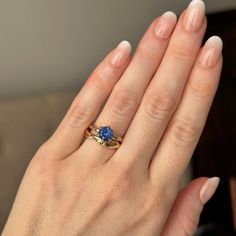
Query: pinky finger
[[184, 216], [86, 106]]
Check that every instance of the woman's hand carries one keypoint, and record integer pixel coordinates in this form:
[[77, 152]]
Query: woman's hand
[[159, 103]]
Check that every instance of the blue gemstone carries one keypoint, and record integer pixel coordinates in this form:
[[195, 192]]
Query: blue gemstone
[[105, 133]]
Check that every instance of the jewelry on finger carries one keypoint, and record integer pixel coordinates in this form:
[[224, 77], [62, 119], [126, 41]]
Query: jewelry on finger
[[104, 135]]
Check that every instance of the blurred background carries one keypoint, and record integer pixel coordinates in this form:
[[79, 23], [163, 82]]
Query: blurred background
[[47, 50]]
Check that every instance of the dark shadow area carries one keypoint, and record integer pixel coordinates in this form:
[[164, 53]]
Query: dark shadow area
[[215, 154]]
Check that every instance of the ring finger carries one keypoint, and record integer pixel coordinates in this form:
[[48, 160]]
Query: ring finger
[[127, 94]]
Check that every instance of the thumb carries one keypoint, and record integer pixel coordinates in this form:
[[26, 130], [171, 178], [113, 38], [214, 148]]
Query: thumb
[[184, 215]]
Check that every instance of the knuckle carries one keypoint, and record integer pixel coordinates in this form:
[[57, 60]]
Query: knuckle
[[147, 52], [159, 105], [42, 151], [182, 51], [43, 168], [185, 131], [120, 185], [45, 151], [123, 186], [124, 102], [124, 176], [80, 113], [200, 88], [98, 81], [145, 209], [152, 206]]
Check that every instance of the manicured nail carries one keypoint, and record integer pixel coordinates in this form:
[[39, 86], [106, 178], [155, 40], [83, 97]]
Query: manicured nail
[[121, 54], [208, 189], [194, 15], [211, 52], [165, 25]]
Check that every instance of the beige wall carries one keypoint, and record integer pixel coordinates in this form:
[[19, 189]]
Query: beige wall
[[54, 44]]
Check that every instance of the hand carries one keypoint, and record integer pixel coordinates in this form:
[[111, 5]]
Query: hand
[[159, 103]]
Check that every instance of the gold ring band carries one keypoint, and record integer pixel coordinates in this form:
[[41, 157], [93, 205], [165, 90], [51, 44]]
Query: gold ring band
[[104, 135]]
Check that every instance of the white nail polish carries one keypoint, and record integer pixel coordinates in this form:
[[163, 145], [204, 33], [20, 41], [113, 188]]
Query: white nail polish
[[194, 15], [121, 53], [208, 189], [211, 52], [165, 25]]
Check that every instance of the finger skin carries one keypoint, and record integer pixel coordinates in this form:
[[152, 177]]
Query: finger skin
[[127, 94], [85, 107], [184, 129], [184, 216], [162, 95]]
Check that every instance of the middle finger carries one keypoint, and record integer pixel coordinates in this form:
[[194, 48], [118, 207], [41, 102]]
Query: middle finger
[[165, 90]]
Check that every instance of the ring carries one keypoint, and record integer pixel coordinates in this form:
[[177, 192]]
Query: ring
[[104, 135]]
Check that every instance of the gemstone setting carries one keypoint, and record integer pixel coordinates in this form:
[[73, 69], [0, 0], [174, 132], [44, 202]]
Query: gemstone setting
[[105, 133]]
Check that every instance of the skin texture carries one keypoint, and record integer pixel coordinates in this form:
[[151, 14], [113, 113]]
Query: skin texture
[[158, 101]]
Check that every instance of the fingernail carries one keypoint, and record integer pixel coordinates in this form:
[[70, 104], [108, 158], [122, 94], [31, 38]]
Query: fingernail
[[194, 15], [165, 25], [211, 52], [121, 54], [208, 189]]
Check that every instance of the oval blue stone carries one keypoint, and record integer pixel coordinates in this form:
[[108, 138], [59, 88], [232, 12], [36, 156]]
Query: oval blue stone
[[105, 133]]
